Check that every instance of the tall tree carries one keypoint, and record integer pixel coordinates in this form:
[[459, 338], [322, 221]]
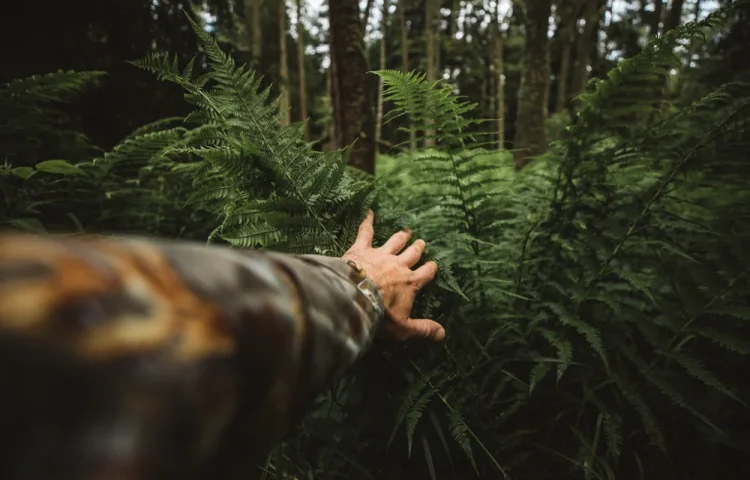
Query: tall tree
[[384, 34], [405, 57], [253, 26], [531, 121], [674, 16], [351, 109], [431, 9], [569, 13], [585, 46], [498, 65], [656, 17], [301, 69], [283, 67], [366, 16]]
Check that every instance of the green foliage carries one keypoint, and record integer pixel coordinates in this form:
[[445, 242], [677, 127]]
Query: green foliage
[[35, 122], [596, 302], [602, 262], [269, 188]]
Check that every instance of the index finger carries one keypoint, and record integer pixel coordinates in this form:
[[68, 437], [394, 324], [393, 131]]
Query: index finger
[[366, 231]]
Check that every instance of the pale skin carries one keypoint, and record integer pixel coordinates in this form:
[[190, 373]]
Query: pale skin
[[390, 268]]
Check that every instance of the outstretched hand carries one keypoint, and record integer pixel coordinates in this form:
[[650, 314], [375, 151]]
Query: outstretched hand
[[398, 283]]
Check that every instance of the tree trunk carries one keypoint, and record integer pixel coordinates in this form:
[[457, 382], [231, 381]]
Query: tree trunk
[[568, 21], [283, 68], [491, 90], [674, 16], [354, 123], [253, 26], [429, 34], [585, 46], [366, 17], [405, 61], [301, 68], [656, 17], [499, 78], [531, 121], [452, 26], [383, 33], [331, 137]]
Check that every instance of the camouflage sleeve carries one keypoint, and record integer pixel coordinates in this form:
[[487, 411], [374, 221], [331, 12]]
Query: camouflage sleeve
[[135, 359]]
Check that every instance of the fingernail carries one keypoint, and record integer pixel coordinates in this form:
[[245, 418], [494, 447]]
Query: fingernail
[[440, 335]]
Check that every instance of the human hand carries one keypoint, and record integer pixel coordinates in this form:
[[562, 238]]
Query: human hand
[[398, 283]]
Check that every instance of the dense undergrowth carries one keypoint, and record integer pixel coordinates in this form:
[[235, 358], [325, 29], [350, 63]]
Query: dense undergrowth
[[597, 302]]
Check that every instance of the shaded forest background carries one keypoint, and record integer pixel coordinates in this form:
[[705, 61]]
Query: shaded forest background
[[578, 168], [473, 45]]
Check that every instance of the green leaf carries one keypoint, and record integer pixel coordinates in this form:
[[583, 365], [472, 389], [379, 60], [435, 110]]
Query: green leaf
[[59, 166], [538, 373], [29, 224], [23, 172]]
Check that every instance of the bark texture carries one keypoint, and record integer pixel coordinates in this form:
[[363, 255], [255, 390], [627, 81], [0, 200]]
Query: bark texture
[[284, 103], [302, 72], [585, 47], [384, 36], [405, 59], [531, 121], [253, 26], [568, 20], [498, 65], [656, 17], [430, 12], [352, 110], [674, 17]]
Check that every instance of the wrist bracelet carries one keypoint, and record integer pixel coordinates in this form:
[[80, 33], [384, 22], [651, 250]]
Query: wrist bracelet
[[369, 289]]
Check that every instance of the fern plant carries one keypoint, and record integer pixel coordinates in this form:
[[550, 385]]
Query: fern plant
[[35, 125], [600, 270], [267, 186]]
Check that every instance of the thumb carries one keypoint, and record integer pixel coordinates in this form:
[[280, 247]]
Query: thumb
[[425, 328]]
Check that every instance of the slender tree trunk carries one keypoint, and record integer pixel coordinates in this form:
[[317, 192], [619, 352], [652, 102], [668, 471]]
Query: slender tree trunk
[[568, 21], [437, 38], [656, 17], [431, 7], [674, 16], [302, 72], [333, 141], [366, 17], [605, 25], [354, 122], [405, 61], [283, 68], [491, 88], [486, 94], [531, 121], [585, 46], [453, 25], [499, 77], [596, 26], [384, 35], [253, 26]]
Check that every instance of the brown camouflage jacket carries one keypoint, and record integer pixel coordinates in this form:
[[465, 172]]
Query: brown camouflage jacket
[[142, 359]]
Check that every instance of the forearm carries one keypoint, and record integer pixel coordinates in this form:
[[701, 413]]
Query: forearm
[[248, 338]]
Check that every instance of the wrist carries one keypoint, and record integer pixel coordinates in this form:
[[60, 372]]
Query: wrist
[[367, 286]]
